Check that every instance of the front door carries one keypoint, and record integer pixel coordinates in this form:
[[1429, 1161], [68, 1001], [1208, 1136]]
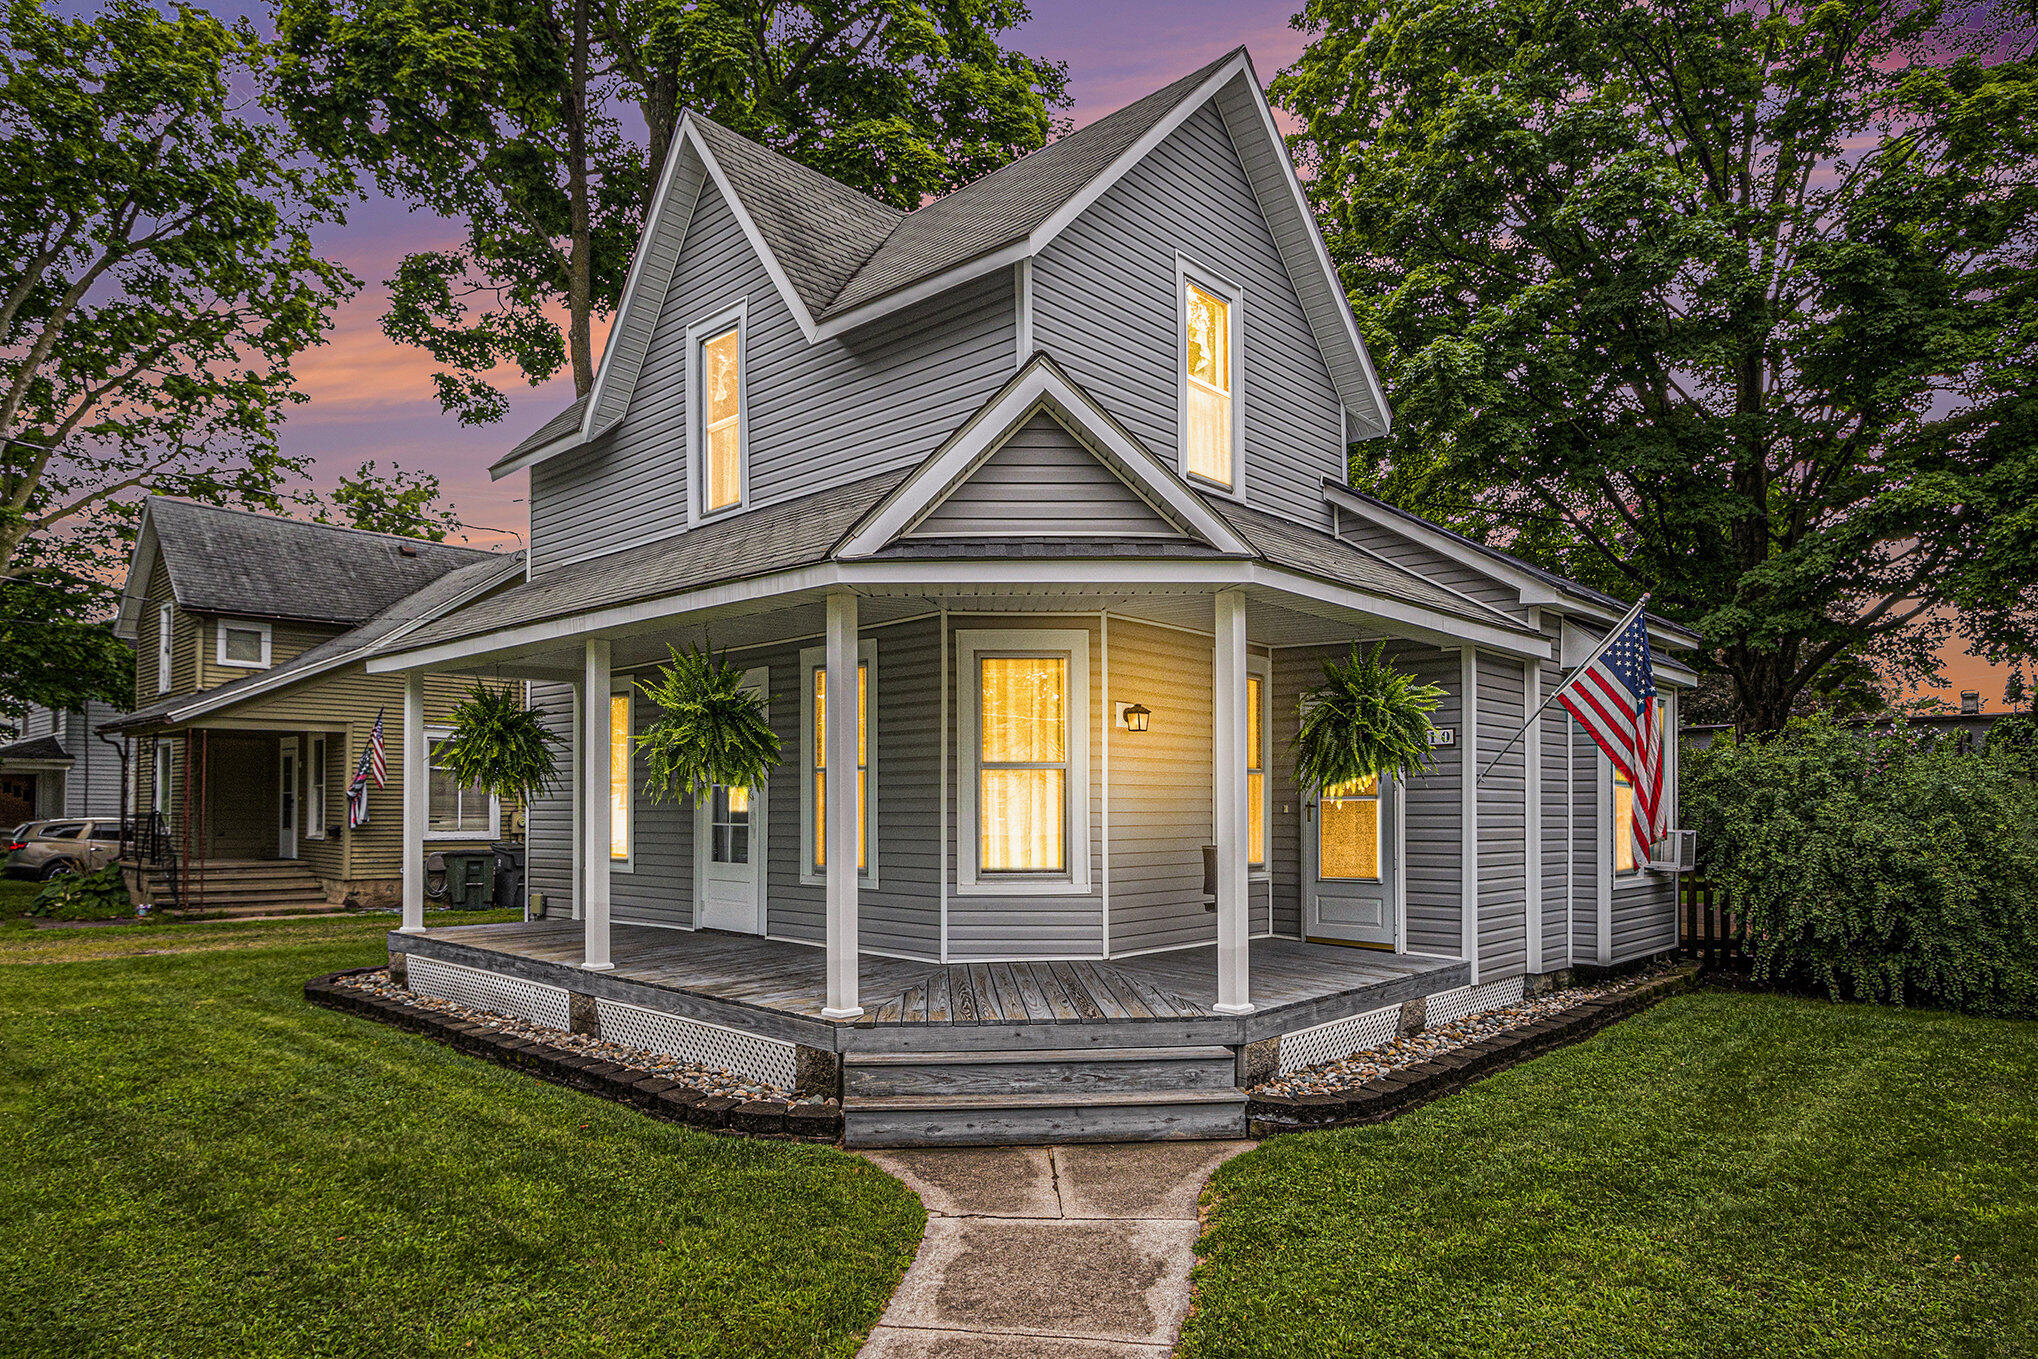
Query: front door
[[1349, 853], [286, 800], [729, 850]]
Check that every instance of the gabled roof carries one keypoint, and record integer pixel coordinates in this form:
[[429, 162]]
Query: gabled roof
[[840, 259], [44, 748], [1040, 385], [457, 587], [250, 565]]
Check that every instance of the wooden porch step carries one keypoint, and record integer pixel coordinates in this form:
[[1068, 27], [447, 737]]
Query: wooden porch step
[[1062, 1071], [1006, 1120]]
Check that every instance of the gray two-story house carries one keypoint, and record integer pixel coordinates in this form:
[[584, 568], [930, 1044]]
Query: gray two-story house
[[1026, 513]]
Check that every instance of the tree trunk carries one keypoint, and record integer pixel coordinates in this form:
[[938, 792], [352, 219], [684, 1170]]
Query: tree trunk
[[580, 262], [661, 117]]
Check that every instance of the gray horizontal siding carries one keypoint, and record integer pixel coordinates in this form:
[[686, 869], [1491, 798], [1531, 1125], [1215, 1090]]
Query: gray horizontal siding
[[1042, 481], [819, 414], [1104, 306], [1503, 822], [548, 823], [1589, 863], [657, 888], [1434, 809], [1563, 783]]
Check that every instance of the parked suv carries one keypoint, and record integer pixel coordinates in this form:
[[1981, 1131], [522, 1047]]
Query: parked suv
[[55, 849]]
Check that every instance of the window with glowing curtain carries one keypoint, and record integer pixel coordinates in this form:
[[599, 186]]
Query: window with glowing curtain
[[1022, 764], [722, 420], [1348, 831], [1255, 772], [818, 833], [619, 776], [1624, 856], [1207, 441]]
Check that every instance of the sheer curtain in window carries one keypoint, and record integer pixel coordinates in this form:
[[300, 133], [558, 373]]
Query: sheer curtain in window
[[1022, 794]]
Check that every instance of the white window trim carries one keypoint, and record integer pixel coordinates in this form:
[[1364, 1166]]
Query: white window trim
[[1075, 643], [316, 772], [625, 688], [813, 658], [434, 735], [222, 626], [1233, 296], [159, 785], [697, 334], [165, 646], [1262, 668]]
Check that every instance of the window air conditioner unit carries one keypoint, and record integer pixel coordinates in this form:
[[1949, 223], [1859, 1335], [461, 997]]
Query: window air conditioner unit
[[1676, 852]]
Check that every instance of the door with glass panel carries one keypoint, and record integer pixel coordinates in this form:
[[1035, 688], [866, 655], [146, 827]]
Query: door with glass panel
[[1348, 863], [729, 849]]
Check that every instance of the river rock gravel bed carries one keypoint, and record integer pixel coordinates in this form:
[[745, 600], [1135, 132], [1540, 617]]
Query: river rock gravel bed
[[1351, 1072], [708, 1080]]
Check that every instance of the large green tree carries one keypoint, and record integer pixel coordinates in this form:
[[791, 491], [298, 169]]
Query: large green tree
[[541, 126], [157, 281], [1732, 302]]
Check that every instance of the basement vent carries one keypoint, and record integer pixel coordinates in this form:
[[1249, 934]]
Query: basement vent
[[1337, 1040], [491, 991], [1446, 1006], [711, 1045]]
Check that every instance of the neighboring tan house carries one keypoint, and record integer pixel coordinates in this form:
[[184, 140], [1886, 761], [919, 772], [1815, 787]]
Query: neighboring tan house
[[1027, 515], [59, 766], [252, 707]]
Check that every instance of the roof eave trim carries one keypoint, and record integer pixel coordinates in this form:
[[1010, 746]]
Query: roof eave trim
[[563, 444], [127, 619]]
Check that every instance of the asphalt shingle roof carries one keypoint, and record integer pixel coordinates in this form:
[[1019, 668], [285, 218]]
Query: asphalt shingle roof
[[261, 566], [35, 748], [558, 427]]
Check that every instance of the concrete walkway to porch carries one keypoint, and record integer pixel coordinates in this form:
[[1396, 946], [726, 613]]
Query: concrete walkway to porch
[[1065, 1252]]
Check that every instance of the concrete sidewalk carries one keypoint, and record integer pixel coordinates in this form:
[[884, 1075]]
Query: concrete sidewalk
[[1074, 1252]]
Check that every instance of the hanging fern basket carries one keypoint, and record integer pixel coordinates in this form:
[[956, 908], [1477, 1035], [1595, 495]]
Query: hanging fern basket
[[500, 746], [1365, 721], [709, 729]]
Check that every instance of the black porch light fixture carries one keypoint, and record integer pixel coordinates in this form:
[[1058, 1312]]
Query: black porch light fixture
[[1135, 715]]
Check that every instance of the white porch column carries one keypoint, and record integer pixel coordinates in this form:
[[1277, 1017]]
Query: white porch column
[[1228, 757], [840, 832], [594, 806], [417, 784]]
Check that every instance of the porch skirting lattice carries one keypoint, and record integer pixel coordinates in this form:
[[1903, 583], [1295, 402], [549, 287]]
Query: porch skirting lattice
[[1337, 1040], [548, 1006], [1446, 1006], [711, 1045]]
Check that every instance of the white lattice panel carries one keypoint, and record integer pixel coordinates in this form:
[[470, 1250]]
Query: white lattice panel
[[1336, 1040], [711, 1045], [546, 1005], [1446, 1006]]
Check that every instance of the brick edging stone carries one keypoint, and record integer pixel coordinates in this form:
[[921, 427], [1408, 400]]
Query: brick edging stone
[[1397, 1092], [656, 1095]]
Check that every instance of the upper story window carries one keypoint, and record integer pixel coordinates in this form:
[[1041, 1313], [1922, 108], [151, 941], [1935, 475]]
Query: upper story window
[[1210, 411], [246, 645], [721, 434], [163, 634]]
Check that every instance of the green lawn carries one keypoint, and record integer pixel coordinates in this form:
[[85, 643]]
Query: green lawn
[[1722, 1175], [198, 1163]]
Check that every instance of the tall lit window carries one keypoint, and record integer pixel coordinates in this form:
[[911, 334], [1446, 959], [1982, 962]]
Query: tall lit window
[[1348, 831], [722, 420], [1624, 858], [315, 790], [1022, 764], [163, 617], [160, 793], [1255, 772], [1207, 445], [818, 828], [619, 776]]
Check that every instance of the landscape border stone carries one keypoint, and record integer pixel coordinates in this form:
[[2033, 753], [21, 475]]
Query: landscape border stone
[[1397, 1092], [654, 1095]]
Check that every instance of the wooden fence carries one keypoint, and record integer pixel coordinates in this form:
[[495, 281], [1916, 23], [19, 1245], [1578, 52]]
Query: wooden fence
[[1708, 927]]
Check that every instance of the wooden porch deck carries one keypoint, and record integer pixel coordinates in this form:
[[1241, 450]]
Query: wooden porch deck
[[777, 989]]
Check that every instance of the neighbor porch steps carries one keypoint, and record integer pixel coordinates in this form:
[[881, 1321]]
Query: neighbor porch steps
[[242, 887], [925, 1099]]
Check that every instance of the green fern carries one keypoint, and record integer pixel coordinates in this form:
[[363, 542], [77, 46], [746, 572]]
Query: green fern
[[500, 746], [709, 730], [1365, 720]]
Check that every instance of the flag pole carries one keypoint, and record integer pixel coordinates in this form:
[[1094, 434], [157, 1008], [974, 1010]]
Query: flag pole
[[1576, 670]]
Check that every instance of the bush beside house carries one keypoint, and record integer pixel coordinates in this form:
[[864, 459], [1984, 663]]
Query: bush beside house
[[1878, 865]]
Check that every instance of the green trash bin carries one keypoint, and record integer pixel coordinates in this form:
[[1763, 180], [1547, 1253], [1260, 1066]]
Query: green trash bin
[[470, 878]]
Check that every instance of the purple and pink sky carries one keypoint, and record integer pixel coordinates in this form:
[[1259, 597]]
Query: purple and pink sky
[[371, 398]]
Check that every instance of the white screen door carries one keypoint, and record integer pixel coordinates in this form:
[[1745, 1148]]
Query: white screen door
[[729, 849], [286, 799]]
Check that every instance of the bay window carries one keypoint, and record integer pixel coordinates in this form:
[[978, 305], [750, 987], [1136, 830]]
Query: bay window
[[1024, 695]]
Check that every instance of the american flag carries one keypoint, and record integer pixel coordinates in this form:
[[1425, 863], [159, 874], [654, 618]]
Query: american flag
[[374, 761], [1614, 695]]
